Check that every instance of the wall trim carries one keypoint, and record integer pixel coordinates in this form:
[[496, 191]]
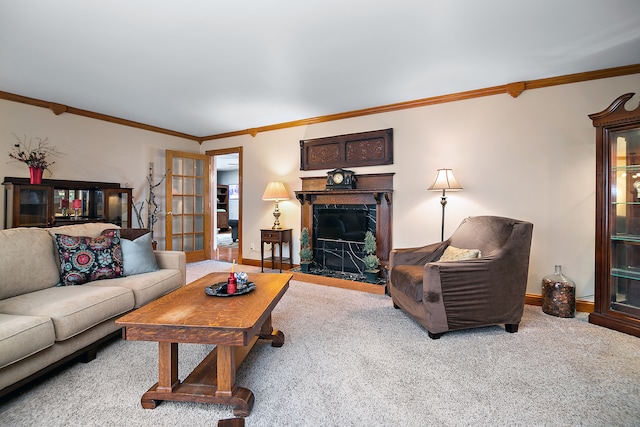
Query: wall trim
[[514, 89], [581, 305]]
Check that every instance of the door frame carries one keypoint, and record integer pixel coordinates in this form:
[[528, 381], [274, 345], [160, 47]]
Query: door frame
[[213, 182]]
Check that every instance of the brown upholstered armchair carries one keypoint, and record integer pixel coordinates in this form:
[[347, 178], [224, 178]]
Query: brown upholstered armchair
[[467, 293]]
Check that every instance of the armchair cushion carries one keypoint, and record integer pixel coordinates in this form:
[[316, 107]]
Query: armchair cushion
[[409, 280]]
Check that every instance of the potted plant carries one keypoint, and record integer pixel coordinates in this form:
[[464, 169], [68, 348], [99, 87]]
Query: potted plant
[[34, 158], [306, 255], [371, 261]]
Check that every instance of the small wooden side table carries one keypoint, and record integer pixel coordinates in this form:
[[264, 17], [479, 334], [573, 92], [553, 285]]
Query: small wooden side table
[[275, 237]]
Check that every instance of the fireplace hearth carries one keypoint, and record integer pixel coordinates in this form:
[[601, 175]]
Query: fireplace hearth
[[318, 270]]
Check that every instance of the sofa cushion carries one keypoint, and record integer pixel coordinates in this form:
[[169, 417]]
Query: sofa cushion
[[408, 279], [73, 309], [90, 229], [85, 259], [27, 261], [138, 256], [22, 336], [147, 287]]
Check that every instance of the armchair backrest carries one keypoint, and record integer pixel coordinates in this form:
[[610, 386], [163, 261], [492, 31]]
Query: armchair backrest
[[489, 233]]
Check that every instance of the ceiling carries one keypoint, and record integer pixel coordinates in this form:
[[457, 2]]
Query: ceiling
[[209, 67]]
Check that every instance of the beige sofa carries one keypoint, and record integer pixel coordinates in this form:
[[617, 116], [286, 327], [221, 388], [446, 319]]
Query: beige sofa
[[43, 324]]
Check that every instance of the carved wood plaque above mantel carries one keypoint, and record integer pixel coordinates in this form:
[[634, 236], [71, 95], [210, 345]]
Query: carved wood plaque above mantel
[[356, 149]]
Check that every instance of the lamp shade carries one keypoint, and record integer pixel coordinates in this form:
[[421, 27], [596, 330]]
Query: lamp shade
[[445, 181], [275, 191]]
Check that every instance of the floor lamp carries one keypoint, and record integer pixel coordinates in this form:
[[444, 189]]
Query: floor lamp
[[275, 191], [444, 181]]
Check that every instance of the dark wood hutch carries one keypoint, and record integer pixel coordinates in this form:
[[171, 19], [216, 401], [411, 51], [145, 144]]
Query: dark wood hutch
[[617, 260], [51, 203]]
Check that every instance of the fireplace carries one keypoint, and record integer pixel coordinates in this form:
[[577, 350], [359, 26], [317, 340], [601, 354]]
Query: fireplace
[[338, 220], [338, 235]]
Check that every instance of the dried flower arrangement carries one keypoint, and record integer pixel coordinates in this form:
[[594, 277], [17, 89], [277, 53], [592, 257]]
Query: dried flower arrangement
[[36, 157]]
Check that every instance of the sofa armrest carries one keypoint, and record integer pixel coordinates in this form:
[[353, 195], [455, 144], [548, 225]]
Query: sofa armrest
[[173, 259]]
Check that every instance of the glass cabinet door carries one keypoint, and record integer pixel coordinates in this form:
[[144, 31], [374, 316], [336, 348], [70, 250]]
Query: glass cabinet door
[[33, 206], [625, 221], [117, 207]]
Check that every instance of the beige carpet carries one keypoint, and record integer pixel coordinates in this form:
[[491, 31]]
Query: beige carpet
[[351, 359]]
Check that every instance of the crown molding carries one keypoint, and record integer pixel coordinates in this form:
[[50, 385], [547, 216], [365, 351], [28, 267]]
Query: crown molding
[[58, 109], [514, 89]]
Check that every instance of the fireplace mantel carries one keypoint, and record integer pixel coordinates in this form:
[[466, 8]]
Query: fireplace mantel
[[378, 195], [370, 189]]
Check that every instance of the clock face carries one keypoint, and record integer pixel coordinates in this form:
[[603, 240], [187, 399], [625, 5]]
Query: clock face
[[338, 178]]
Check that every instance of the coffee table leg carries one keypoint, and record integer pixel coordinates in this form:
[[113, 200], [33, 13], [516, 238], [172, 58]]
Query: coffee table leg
[[167, 373], [268, 333], [226, 370], [241, 398]]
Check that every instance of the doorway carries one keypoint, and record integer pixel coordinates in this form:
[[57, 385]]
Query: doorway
[[226, 215]]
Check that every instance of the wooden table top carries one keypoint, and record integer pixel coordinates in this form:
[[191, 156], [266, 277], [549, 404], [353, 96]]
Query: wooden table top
[[189, 315]]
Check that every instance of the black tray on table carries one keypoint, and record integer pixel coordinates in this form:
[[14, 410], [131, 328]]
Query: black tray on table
[[220, 289]]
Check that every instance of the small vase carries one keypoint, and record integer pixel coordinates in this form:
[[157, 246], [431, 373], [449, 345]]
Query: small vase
[[558, 294], [35, 175]]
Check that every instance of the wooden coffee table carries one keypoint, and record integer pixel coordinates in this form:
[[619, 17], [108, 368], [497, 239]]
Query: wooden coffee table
[[188, 315]]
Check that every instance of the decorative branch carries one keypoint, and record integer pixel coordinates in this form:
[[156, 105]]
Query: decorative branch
[[153, 208]]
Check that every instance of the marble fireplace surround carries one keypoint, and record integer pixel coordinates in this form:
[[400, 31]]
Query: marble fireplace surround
[[371, 189]]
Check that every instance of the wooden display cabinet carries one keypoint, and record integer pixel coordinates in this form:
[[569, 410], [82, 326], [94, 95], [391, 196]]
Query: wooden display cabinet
[[222, 194], [617, 266], [51, 203]]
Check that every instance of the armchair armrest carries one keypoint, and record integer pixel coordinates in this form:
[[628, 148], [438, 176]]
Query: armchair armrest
[[173, 259], [476, 291], [417, 256]]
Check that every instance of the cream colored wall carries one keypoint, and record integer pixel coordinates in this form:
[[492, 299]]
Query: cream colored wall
[[93, 150], [531, 158]]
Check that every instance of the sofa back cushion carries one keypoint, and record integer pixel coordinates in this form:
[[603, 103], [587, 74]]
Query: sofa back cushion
[[27, 261], [90, 229]]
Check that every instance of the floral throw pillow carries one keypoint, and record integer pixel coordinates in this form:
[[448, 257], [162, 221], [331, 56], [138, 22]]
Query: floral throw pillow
[[85, 259]]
